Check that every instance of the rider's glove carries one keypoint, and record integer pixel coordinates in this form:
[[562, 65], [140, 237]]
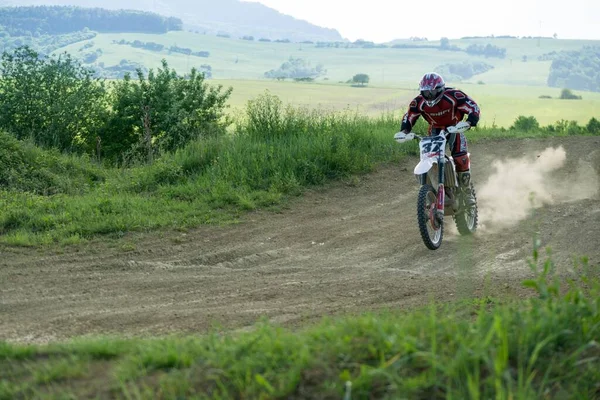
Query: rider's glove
[[461, 127], [402, 137]]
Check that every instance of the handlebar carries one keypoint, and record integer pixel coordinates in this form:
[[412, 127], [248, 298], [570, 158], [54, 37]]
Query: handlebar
[[461, 127]]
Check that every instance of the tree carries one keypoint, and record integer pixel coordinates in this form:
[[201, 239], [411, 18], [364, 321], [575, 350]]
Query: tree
[[579, 70], [54, 100], [361, 79], [567, 94], [162, 111], [296, 68], [444, 43]]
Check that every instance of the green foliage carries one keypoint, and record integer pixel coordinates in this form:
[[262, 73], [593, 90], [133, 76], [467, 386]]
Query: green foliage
[[26, 21], [562, 127], [567, 94], [464, 70], [58, 103], [525, 124], [487, 51], [158, 47], [162, 112], [579, 70], [120, 70], [566, 128], [361, 79], [44, 43], [296, 68], [444, 43], [25, 167], [275, 152], [593, 126], [53, 100], [542, 347]]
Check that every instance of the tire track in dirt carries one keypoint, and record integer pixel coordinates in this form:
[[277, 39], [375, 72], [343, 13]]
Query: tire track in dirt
[[336, 250]]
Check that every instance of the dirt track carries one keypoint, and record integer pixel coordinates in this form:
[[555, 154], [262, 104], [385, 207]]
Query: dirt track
[[341, 249]]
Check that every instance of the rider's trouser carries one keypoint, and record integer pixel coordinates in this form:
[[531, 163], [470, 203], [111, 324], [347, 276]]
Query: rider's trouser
[[460, 153]]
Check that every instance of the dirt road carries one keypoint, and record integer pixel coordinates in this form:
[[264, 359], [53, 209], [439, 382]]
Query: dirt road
[[347, 248]]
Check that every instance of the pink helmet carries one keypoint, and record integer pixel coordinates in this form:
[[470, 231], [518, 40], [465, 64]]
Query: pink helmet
[[432, 88]]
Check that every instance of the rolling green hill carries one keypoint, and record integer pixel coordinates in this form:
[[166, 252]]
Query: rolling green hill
[[244, 59], [232, 17]]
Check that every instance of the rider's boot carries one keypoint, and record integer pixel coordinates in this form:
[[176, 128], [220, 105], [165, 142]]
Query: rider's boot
[[464, 183]]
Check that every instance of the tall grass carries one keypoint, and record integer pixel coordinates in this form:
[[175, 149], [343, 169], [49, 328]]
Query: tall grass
[[545, 347], [274, 152]]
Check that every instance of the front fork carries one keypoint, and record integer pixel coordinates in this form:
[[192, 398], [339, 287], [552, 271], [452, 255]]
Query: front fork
[[437, 209]]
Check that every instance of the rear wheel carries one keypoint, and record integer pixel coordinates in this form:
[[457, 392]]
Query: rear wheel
[[431, 229], [467, 218]]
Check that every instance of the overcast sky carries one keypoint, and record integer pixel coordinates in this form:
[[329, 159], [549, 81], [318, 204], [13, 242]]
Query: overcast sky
[[384, 20]]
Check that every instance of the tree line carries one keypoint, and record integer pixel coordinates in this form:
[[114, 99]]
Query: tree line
[[58, 103], [578, 70], [157, 47], [56, 20]]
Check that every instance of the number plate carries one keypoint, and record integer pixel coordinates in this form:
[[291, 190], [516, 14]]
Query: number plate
[[432, 146]]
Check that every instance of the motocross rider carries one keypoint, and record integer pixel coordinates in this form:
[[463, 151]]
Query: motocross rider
[[444, 107]]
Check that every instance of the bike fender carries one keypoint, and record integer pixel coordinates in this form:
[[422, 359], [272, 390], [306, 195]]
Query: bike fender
[[424, 166]]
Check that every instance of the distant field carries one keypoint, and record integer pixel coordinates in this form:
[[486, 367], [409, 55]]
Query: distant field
[[242, 59], [511, 89], [501, 104]]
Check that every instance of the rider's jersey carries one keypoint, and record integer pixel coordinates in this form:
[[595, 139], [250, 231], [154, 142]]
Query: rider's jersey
[[450, 110]]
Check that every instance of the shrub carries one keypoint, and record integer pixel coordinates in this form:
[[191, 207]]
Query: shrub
[[296, 68], [593, 126], [525, 124], [54, 100], [545, 96], [568, 127], [25, 167], [164, 111], [567, 94]]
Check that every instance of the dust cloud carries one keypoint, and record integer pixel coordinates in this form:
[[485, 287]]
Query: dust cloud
[[517, 186]]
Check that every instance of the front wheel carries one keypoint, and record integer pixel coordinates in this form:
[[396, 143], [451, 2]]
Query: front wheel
[[467, 218], [431, 229]]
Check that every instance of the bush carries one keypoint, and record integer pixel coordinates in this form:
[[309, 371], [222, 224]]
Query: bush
[[545, 96], [162, 112], [464, 70], [593, 126], [568, 128], [525, 124], [567, 94], [488, 50], [54, 100], [25, 167], [296, 68]]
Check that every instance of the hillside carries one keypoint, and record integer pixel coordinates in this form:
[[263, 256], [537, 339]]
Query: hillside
[[231, 17], [232, 58]]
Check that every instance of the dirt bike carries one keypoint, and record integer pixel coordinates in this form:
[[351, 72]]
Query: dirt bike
[[440, 194]]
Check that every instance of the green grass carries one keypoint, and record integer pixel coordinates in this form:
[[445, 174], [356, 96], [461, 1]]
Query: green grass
[[500, 104], [544, 347], [273, 153], [271, 156], [242, 59], [511, 89]]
